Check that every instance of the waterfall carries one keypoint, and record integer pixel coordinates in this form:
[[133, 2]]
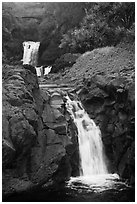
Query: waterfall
[[30, 55], [93, 168], [47, 70], [90, 143]]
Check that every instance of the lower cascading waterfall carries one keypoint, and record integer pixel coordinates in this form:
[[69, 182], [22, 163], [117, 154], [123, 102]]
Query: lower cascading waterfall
[[93, 168], [90, 142]]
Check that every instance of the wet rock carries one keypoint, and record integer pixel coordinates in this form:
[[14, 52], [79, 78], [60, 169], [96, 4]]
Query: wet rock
[[120, 130], [30, 114], [109, 102], [131, 94], [23, 135], [122, 165], [126, 166], [44, 166], [108, 99], [16, 185], [31, 68], [60, 128], [47, 115], [64, 171], [8, 153], [52, 137], [45, 95], [58, 115], [82, 91], [56, 99], [73, 152], [122, 116], [5, 128], [110, 128], [65, 140]]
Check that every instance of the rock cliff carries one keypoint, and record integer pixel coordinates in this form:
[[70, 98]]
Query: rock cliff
[[107, 91], [110, 102], [104, 80], [39, 140], [40, 147]]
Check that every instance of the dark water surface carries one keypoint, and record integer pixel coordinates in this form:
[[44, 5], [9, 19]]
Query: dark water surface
[[76, 193]]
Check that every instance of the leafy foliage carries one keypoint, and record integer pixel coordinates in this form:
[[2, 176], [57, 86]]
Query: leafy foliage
[[105, 24], [64, 27], [58, 18]]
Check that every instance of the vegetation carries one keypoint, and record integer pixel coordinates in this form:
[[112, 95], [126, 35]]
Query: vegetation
[[105, 24], [65, 27]]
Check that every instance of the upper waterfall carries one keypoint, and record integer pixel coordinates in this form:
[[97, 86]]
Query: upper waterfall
[[90, 142], [30, 55]]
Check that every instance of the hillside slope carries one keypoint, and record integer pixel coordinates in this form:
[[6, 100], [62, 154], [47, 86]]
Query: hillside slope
[[105, 61]]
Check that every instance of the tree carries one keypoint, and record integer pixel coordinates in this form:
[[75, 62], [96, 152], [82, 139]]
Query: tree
[[105, 24], [58, 18]]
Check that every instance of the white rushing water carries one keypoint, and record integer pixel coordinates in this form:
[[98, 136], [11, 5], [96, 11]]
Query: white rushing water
[[90, 142], [93, 168], [47, 70], [30, 55]]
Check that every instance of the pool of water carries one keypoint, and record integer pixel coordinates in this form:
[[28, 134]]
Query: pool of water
[[110, 189]]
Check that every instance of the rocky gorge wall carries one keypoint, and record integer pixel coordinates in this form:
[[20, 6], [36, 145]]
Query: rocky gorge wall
[[104, 80], [40, 145], [39, 138], [110, 102]]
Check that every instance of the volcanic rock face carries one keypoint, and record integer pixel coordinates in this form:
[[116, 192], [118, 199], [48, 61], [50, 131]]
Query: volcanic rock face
[[110, 101], [104, 79], [39, 143]]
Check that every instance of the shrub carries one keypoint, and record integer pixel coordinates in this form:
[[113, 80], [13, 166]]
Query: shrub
[[105, 24]]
